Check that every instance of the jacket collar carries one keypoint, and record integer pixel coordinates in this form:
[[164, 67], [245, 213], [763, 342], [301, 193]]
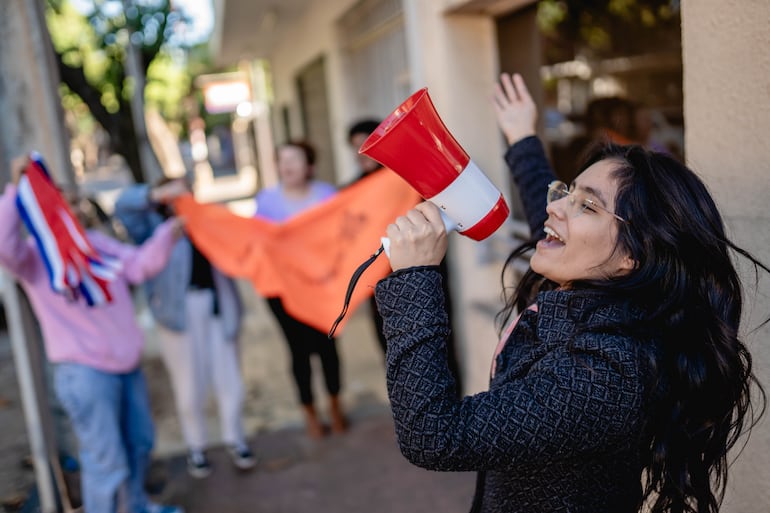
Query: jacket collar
[[561, 313]]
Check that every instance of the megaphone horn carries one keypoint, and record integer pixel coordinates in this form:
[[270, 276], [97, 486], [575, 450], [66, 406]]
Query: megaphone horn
[[415, 143]]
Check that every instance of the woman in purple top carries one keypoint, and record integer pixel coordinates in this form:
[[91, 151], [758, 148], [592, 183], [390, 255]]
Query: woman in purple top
[[296, 192]]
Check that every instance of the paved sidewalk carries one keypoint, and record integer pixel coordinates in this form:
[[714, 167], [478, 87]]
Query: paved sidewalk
[[359, 471]]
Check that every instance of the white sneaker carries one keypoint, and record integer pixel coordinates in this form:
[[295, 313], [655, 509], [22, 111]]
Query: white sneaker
[[242, 456], [198, 465]]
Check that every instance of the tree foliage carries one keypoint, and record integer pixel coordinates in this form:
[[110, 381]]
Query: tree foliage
[[90, 49]]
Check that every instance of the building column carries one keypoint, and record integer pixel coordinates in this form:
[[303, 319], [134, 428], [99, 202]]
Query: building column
[[726, 55]]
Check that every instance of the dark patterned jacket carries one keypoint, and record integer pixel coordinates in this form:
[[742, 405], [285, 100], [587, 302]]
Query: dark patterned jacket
[[561, 427]]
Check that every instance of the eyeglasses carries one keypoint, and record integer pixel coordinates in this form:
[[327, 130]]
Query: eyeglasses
[[578, 201]]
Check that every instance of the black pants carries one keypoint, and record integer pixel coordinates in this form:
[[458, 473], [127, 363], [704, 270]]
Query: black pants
[[303, 341]]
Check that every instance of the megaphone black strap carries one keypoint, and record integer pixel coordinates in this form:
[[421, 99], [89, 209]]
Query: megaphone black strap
[[351, 286]]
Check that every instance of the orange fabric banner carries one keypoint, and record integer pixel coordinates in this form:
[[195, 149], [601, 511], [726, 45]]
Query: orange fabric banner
[[308, 260]]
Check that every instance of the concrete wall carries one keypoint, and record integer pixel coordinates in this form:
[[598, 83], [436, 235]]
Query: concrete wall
[[726, 53], [32, 119]]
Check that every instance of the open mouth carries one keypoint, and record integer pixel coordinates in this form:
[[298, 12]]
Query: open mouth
[[552, 238]]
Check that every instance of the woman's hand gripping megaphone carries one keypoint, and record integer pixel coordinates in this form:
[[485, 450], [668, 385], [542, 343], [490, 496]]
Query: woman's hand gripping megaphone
[[411, 232]]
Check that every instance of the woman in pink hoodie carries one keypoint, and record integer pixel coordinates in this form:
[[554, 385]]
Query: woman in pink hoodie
[[96, 355]]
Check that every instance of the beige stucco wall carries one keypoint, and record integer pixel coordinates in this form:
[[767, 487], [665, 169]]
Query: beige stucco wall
[[726, 45], [32, 119]]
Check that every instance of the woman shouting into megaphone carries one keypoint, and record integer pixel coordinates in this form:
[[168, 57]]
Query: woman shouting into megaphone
[[619, 377]]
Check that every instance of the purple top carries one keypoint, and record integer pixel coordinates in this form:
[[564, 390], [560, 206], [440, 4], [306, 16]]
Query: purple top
[[273, 204]]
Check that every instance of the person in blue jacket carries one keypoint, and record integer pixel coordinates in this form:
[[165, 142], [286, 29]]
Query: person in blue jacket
[[198, 314], [620, 383]]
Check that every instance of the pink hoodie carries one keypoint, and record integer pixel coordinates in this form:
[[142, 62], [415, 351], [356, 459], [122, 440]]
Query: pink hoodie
[[106, 337]]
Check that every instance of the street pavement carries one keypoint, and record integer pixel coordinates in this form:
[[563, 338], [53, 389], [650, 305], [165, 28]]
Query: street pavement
[[361, 470]]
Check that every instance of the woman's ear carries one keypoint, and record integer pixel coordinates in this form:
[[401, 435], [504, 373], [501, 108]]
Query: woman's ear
[[628, 264]]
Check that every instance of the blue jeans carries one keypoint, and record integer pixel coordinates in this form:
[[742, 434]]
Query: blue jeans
[[110, 414]]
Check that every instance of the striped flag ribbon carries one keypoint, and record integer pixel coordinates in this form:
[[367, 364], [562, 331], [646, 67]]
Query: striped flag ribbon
[[74, 267]]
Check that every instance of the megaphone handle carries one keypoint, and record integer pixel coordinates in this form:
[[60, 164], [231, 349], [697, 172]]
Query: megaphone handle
[[449, 225], [351, 286]]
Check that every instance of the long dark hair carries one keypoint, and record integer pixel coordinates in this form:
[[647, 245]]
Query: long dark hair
[[689, 293]]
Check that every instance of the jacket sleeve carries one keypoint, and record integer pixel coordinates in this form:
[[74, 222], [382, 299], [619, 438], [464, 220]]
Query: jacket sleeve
[[531, 173], [134, 210], [142, 262], [17, 253], [566, 404]]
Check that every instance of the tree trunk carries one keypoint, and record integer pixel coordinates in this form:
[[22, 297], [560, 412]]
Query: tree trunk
[[125, 143], [119, 126]]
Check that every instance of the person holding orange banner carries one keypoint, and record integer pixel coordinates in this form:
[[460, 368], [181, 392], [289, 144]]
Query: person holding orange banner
[[296, 192], [357, 134], [198, 313], [307, 258]]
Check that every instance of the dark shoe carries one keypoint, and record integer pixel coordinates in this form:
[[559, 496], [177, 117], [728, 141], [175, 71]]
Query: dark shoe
[[242, 456], [198, 465]]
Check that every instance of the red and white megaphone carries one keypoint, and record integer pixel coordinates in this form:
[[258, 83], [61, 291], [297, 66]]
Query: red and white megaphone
[[415, 143]]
